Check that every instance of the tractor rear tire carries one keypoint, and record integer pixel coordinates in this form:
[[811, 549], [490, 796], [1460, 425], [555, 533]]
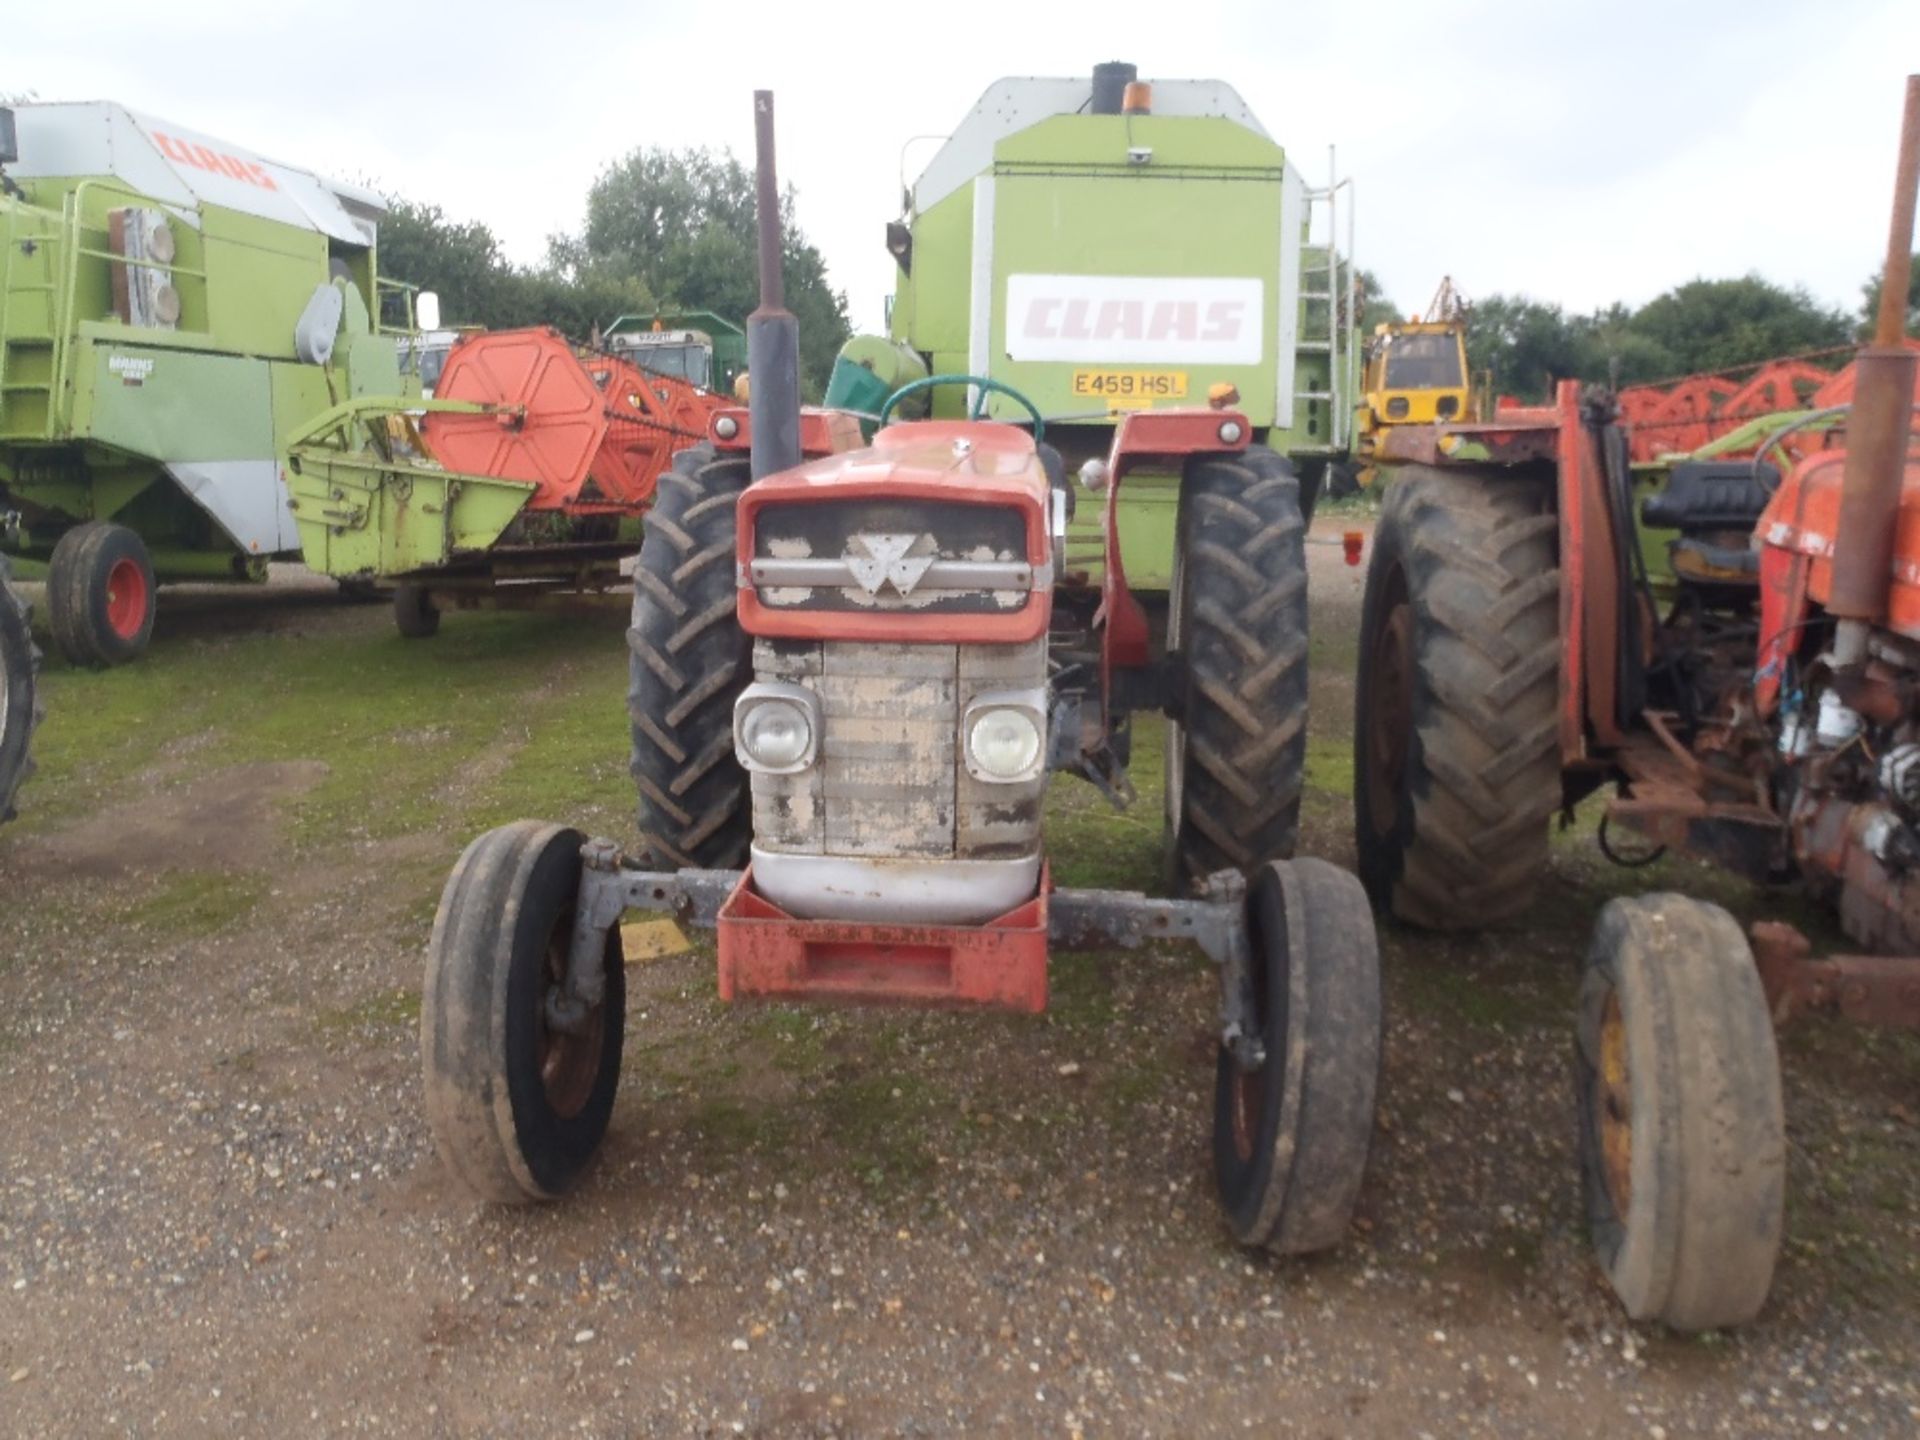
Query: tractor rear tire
[[20, 710], [1237, 618], [1456, 756], [1290, 1139], [415, 615], [688, 662], [516, 1109], [100, 595], [1682, 1131]]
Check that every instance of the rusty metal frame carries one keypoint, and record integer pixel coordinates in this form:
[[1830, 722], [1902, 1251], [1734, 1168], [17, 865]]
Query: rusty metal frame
[[1215, 921], [1882, 990]]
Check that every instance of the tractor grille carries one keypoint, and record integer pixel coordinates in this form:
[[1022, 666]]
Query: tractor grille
[[939, 557], [889, 781]]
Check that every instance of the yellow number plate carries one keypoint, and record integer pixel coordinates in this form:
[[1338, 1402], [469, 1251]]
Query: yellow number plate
[[1130, 389]]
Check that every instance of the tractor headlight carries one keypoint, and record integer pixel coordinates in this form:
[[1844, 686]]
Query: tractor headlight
[[776, 734], [776, 728], [1004, 737]]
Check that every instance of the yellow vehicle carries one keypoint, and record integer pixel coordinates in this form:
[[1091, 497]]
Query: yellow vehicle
[[1416, 374]]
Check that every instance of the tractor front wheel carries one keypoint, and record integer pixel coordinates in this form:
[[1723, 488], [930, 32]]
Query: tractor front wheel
[[1290, 1137], [19, 694], [689, 660], [100, 594], [1456, 758], [1682, 1133], [1237, 621], [517, 1106]]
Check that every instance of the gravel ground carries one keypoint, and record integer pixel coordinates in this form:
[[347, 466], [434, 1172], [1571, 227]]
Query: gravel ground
[[220, 1211]]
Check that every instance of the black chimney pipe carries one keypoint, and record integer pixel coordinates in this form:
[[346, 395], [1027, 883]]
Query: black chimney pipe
[[1879, 426], [773, 335]]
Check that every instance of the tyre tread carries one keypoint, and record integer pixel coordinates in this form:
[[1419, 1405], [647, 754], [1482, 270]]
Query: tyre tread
[[688, 662], [1244, 715], [1483, 773], [1705, 1253], [21, 657]]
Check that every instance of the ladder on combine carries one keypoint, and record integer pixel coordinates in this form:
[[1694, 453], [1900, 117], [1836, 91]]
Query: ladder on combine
[[30, 319], [1329, 323]]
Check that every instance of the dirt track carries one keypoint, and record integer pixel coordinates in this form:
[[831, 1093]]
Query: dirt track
[[220, 1211]]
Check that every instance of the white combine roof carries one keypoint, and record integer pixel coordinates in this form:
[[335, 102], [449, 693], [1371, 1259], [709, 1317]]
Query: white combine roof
[[184, 167], [1018, 102]]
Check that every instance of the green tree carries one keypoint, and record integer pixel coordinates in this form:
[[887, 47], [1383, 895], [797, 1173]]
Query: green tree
[[1527, 345], [1703, 325], [1870, 300], [1375, 306], [477, 285], [683, 223], [1720, 324], [461, 260], [1615, 350]]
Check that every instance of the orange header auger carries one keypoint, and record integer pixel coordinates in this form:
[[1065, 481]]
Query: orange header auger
[[591, 431]]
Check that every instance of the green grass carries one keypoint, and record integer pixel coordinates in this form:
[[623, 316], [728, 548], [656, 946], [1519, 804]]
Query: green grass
[[735, 1125], [373, 1012], [1329, 787], [793, 1037], [1080, 990], [881, 1120], [399, 724], [1092, 845], [1445, 987], [197, 903], [1361, 505]]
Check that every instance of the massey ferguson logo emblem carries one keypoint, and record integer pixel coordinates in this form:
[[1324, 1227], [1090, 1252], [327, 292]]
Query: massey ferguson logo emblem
[[878, 560], [1135, 318]]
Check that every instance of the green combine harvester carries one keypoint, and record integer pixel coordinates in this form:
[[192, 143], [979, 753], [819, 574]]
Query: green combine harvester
[[172, 309], [1106, 245]]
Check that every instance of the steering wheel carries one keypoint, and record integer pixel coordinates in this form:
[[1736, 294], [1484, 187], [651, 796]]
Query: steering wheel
[[979, 404]]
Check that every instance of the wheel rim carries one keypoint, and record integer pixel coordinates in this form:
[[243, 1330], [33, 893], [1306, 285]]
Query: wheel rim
[[127, 598], [569, 1061], [1247, 1088], [1390, 708], [1250, 1086], [1613, 1108]]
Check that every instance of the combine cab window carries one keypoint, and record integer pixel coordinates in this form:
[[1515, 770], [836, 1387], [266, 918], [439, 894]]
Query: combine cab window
[[685, 362], [1423, 362], [432, 362]]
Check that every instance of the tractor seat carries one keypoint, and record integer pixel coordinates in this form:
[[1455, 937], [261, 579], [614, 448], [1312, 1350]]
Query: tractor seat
[[1718, 495]]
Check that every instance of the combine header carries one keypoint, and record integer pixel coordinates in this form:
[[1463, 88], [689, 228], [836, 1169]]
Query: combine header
[[511, 485], [1726, 415]]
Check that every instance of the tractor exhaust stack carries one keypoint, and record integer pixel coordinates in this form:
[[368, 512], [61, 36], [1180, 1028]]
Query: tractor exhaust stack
[[1878, 428], [773, 335]]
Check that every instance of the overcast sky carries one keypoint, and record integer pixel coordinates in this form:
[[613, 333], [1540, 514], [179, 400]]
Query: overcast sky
[[1581, 153]]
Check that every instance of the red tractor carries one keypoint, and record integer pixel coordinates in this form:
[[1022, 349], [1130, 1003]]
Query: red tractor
[[853, 674], [1758, 705]]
